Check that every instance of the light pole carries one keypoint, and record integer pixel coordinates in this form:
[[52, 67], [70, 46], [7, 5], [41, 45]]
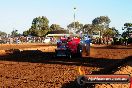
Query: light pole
[[74, 18]]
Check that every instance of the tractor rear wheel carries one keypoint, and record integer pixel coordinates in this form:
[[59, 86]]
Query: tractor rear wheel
[[68, 54], [79, 50]]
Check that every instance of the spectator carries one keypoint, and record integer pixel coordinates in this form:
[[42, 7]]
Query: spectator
[[126, 40], [87, 44]]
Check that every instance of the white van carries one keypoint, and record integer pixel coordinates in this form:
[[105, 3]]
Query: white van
[[47, 40]]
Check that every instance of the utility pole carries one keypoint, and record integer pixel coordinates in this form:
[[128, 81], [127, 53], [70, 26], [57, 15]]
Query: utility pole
[[74, 18]]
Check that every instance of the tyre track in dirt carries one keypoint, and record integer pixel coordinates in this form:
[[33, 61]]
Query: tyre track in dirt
[[125, 68]]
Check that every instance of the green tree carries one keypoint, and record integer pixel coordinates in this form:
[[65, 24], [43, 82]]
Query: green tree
[[40, 23], [102, 24], [42, 32], [33, 32], [2, 33], [78, 26], [125, 34], [102, 20], [128, 27], [39, 27], [98, 28], [109, 32], [54, 27], [87, 28], [58, 32], [115, 31], [25, 33], [14, 33]]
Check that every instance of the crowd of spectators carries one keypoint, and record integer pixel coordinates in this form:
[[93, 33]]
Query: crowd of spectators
[[97, 40], [112, 40], [21, 40]]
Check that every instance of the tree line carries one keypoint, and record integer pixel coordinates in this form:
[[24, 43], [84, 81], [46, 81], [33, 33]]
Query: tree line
[[40, 27], [98, 24]]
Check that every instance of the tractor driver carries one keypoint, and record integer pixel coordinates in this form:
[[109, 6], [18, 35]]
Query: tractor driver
[[69, 39]]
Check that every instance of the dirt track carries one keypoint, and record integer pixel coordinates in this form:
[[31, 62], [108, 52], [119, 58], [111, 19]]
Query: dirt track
[[36, 67]]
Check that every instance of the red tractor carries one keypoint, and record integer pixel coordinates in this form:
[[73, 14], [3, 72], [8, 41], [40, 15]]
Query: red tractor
[[68, 47]]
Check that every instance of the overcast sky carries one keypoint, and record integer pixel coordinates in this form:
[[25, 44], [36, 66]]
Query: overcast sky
[[18, 14]]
